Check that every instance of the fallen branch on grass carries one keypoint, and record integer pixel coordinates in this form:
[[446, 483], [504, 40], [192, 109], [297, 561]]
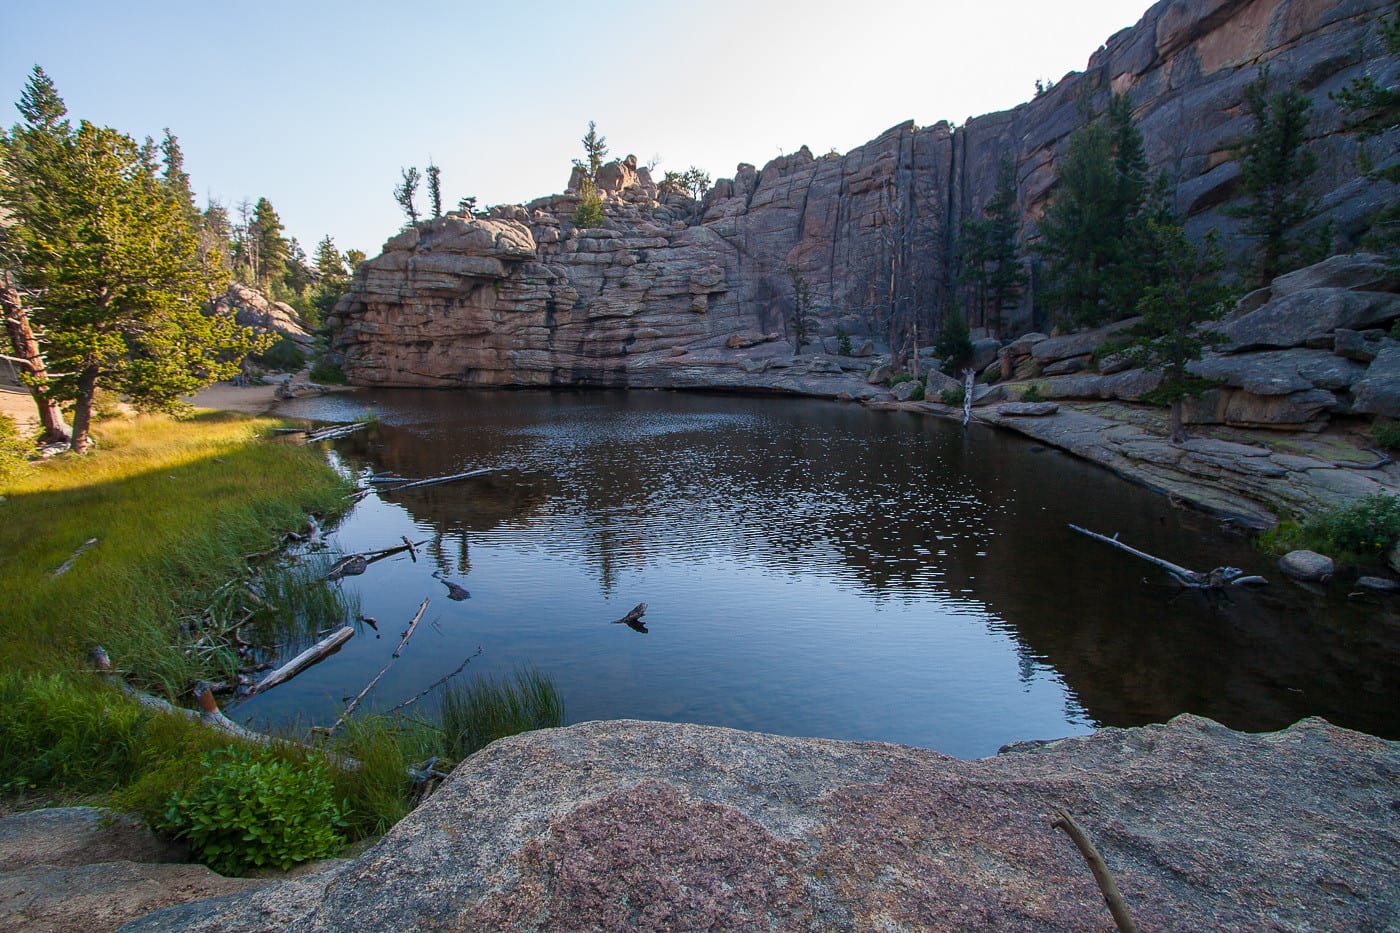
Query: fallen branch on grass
[[1211, 580], [316, 653], [73, 558], [1107, 887]]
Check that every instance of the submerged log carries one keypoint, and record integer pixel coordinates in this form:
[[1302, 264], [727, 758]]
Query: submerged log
[[420, 483], [317, 652], [1212, 580], [354, 704], [412, 626]]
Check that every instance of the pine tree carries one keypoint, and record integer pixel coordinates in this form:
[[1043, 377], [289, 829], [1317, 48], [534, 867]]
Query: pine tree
[[1274, 169], [801, 316], [273, 250], [595, 147], [1005, 277], [1086, 238], [589, 212], [435, 189], [1185, 290], [109, 247], [406, 191]]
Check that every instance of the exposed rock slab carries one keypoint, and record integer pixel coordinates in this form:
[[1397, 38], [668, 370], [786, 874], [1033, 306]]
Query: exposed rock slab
[[631, 826], [69, 836]]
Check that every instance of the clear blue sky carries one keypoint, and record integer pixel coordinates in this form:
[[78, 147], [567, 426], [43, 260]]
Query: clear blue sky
[[317, 105]]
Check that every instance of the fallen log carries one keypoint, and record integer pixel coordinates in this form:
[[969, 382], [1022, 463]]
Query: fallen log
[[454, 591], [317, 652], [355, 564], [420, 483], [354, 704], [333, 432], [408, 633], [1211, 580]]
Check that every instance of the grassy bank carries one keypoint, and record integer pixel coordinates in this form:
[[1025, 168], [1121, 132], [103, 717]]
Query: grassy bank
[[174, 508]]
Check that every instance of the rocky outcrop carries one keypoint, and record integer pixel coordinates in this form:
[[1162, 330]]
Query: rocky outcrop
[[73, 868], [251, 308], [652, 826], [654, 297]]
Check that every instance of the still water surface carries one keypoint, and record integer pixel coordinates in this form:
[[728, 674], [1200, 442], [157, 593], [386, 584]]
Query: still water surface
[[817, 569]]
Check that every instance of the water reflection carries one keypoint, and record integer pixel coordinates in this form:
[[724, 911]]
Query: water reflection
[[821, 569]]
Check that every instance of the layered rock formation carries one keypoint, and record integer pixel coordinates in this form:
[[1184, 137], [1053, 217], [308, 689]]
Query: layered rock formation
[[654, 826], [671, 293], [251, 308]]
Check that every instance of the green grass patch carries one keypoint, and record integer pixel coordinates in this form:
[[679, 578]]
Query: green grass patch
[[175, 506], [474, 714]]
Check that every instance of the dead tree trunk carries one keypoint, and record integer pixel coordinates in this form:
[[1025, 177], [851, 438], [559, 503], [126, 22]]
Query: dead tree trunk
[[26, 347]]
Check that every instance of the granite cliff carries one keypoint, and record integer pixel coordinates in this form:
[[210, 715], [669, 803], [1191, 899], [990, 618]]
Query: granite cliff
[[674, 293]]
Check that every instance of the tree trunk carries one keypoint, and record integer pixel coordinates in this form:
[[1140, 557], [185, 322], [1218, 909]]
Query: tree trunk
[[26, 347], [1178, 430], [82, 410]]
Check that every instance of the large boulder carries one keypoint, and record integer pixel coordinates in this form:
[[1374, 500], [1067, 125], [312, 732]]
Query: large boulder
[[1377, 392], [1280, 372], [1364, 272], [252, 309], [649, 826], [1308, 317], [1307, 565]]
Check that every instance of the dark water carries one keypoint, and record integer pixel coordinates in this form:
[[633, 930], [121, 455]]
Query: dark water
[[816, 569]]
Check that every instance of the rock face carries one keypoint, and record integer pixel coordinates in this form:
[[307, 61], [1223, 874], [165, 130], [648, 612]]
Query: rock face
[[654, 296], [651, 826], [251, 308], [62, 870]]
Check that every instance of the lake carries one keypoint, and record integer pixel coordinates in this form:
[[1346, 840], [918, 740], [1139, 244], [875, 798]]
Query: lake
[[813, 568]]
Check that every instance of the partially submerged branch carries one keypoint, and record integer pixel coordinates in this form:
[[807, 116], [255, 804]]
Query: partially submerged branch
[[316, 653], [633, 619], [1211, 580]]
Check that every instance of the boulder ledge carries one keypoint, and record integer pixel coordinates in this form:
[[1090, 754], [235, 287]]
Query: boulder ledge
[[641, 825]]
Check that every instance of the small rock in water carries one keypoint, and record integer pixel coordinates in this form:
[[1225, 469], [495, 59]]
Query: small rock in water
[[1377, 584], [1307, 565]]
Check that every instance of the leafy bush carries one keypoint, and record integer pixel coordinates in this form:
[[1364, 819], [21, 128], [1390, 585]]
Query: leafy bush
[[953, 397], [327, 373], [1387, 434], [474, 715], [897, 378], [843, 341], [918, 394], [1361, 530], [282, 356], [1032, 394], [253, 810], [14, 449]]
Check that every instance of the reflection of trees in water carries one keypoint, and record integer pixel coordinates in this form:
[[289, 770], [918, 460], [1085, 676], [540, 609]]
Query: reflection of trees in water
[[898, 507]]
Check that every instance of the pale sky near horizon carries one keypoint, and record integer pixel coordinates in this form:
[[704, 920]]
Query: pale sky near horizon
[[317, 105]]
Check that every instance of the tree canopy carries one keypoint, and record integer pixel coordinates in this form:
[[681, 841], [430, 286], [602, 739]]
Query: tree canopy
[[108, 243]]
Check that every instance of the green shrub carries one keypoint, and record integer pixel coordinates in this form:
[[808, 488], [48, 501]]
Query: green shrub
[[1387, 434], [14, 449], [251, 810], [897, 378], [282, 356], [954, 341], [918, 394], [1032, 394], [1358, 531], [474, 715], [327, 373], [953, 397]]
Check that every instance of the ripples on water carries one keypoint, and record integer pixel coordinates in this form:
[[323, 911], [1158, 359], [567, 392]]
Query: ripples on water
[[814, 569]]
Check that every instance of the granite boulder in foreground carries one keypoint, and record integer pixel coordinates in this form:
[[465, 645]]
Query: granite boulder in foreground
[[638, 825]]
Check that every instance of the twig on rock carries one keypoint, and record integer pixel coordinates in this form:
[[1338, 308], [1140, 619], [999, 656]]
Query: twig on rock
[[1116, 906]]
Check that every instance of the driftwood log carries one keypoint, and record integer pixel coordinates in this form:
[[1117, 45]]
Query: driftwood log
[[355, 564], [354, 704], [412, 627], [316, 653], [436, 480], [333, 432], [1212, 580]]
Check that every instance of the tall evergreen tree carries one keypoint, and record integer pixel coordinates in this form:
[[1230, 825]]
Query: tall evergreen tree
[[273, 250], [1086, 232], [1274, 169], [406, 191], [99, 234], [595, 147], [1005, 278], [435, 189]]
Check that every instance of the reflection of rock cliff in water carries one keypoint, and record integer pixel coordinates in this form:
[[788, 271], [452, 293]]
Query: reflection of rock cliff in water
[[674, 294]]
